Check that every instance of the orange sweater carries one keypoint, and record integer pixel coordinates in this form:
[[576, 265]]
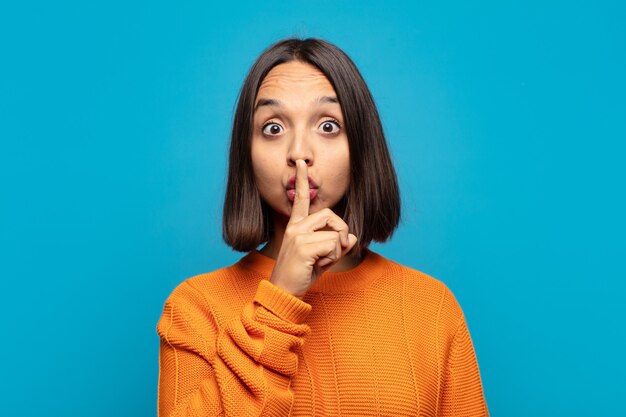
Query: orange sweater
[[381, 339]]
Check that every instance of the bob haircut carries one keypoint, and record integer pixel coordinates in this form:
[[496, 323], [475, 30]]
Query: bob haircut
[[370, 207]]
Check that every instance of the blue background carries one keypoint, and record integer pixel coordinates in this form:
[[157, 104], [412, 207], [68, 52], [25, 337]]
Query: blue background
[[507, 124]]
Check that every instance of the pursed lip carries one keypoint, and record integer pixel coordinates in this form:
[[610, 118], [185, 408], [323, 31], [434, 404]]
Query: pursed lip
[[291, 184]]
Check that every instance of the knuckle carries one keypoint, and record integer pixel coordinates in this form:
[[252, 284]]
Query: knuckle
[[290, 232]]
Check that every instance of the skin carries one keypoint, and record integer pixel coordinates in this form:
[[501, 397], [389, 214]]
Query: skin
[[297, 134]]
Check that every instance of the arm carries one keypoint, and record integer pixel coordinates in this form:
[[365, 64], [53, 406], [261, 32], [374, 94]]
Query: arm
[[243, 368], [462, 392]]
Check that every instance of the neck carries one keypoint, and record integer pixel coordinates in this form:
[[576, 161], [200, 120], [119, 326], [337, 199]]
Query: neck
[[272, 248]]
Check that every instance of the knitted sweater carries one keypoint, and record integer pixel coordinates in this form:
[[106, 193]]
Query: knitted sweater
[[380, 339]]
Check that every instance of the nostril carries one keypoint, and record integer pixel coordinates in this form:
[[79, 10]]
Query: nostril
[[292, 162]]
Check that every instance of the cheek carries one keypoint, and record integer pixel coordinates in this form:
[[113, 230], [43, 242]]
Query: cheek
[[263, 169], [345, 171], [338, 168], [342, 162], [258, 160]]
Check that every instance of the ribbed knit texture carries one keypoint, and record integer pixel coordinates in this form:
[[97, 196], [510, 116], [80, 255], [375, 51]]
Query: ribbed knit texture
[[380, 339]]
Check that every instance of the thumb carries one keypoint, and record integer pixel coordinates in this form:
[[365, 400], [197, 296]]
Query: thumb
[[352, 239]]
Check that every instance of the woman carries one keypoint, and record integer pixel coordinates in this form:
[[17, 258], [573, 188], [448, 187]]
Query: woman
[[314, 323]]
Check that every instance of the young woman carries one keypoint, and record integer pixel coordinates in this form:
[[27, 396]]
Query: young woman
[[314, 323]]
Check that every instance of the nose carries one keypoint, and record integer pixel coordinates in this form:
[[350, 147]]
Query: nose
[[299, 148]]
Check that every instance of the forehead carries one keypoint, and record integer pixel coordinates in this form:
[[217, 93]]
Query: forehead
[[296, 79]]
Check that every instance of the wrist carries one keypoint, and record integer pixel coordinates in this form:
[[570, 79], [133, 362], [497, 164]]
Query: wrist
[[281, 302], [285, 287]]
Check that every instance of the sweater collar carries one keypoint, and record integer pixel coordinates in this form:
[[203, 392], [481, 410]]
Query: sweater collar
[[371, 267]]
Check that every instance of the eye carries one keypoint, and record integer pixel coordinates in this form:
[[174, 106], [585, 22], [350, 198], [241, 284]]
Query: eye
[[330, 126], [271, 128]]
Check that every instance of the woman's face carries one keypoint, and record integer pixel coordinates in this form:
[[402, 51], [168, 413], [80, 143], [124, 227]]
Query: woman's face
[[297, 116]]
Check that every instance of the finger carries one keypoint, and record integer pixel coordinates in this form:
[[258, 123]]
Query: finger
[[326, 262], [319, 236], [323, 236], [352, 239], [327, 220], [322, 262], [302, 200], [327, 250]]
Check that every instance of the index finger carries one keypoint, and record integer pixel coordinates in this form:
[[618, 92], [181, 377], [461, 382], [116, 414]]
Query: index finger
[[302, 199]]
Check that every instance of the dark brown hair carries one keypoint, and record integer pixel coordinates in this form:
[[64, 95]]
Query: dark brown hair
[[371, 206]]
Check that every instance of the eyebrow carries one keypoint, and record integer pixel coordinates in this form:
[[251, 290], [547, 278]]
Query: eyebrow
[[278, 103]]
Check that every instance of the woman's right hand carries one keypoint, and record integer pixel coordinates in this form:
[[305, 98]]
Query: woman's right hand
[[311, 243]]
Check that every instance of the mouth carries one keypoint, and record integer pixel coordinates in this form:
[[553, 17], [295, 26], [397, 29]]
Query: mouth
[[291, 194], [291, 188], [291, 184]]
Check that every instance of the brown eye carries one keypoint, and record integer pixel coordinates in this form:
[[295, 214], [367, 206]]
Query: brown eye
[[272, 129], [330, 126]]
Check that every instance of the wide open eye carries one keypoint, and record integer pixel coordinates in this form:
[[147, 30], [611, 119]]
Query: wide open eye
[[272, 129], [330, 126]]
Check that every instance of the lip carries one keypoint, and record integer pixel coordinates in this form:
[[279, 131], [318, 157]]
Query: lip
[[291, 184], [291, 194]]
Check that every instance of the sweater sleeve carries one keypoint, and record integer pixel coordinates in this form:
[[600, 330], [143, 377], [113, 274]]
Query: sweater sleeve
[[462, 388], [240, 368]]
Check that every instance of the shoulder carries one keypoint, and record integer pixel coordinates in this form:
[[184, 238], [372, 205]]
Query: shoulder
[[221, 284], [213, 293], [424, 294]]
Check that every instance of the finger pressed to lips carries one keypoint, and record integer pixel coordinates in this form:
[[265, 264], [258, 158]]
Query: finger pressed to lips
[[301, 186], [302, 201], [316, 221], [302, 180], [291, 194]]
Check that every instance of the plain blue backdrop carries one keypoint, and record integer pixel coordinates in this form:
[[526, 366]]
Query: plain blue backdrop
[[506, 122]]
